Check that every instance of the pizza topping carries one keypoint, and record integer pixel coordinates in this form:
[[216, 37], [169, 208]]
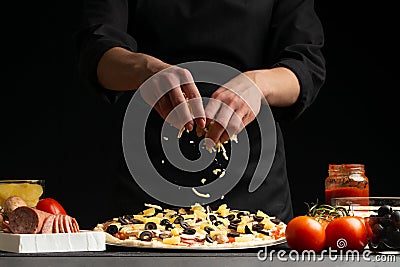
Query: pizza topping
[[146, 236], [164, 235], [194, 226], [150, 226], [189, 231]]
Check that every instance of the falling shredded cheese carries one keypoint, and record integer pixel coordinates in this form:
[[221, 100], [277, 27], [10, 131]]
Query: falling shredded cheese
[[220, 147], [215, 171], [200, 194], [222, 174], [153, 206], [203, 180], [165, 138], [162, 161], [181, 131], [222, 197]]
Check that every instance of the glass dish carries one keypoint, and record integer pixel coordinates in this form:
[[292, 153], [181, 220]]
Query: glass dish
[[383, 218], [29, 190]]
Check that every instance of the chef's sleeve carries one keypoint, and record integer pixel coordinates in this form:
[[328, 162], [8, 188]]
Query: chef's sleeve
[[296, 40], [103, 26]]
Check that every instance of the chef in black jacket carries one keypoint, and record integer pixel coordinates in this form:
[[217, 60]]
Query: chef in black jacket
[[275, 43]]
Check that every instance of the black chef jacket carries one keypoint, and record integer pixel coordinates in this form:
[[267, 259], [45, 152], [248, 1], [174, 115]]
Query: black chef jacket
[[244, 34]]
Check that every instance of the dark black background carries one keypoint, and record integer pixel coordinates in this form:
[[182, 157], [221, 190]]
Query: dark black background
[[54, 128]]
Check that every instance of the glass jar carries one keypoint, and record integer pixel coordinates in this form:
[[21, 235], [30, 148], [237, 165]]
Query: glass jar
[[346, 180]]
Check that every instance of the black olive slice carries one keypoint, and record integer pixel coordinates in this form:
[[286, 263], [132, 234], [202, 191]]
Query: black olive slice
[[189, 231], [150, 226], [209, 238], [184, 225], [275, 221], [236, 221], [231, 216], [164, 222], [247, 230], [123, 220], [257, 227], [135, 221], [178, 219], [208, 229], [232, 226], [216, 223], [164, 235], [233, 234], [258, 218], [112, 229], [128, 219], [263, 232], [242, 213], [169, 226], [213, 218], [146, 236]]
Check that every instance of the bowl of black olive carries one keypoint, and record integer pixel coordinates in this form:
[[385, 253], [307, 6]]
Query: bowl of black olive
[[382, 215], [385, 228]]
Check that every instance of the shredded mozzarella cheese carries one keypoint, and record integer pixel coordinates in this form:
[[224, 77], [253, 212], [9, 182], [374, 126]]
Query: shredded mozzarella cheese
[[200, 194]]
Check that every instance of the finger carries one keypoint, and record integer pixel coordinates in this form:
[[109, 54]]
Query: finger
[[224, 115], [235, 124], [195, 103], [200, 131], [249, 117], [224, 137], [164, 107], [203, 131], [211, 109], [215, 132], [180, 109]]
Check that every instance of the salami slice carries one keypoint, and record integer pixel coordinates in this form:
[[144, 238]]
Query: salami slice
[[61, 223], [27, 220], [75, 225], [47, 227], [56, 228], [67, 224]]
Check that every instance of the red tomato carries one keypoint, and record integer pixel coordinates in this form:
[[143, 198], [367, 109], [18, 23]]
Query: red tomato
[[305, 233], [346, 233], [368, 227], [50, 205]]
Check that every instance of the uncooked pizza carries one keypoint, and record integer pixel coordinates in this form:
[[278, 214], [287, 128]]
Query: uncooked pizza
[[194, 227]]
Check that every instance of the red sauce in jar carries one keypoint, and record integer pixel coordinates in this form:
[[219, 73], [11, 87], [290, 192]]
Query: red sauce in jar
[[347, 192]]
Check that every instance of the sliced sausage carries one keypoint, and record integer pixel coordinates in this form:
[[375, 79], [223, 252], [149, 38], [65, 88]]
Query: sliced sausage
[[12, 203], [56, 228], [27, 220], [75, 225], [47, 227], [67, 224], [61, 222]]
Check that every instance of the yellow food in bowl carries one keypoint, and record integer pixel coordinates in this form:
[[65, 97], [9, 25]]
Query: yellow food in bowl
[[27, 191]]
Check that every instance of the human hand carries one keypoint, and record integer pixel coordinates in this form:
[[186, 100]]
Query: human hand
[[232, 106], [174, 95]]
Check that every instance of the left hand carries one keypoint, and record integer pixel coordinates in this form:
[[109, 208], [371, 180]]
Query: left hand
[[232, 106]]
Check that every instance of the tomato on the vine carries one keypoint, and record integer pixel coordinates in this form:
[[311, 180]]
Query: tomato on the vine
[[347, 233], [50, 205], [305, 233]]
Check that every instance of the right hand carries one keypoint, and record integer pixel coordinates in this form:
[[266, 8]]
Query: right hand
[[174, 95]]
